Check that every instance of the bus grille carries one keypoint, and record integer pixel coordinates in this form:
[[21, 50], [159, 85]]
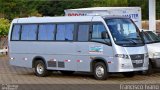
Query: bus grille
[[137, 60]]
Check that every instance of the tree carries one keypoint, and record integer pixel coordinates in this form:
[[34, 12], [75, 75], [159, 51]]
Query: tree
[[110, 3], [4, 27], [11, 9], [54, 8], [18, 8], [158, 9], [140, 3]]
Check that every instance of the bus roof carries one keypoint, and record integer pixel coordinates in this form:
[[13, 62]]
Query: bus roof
[[60, 19]]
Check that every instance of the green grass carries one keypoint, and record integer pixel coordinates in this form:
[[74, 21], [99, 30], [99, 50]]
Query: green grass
[[3, 55]]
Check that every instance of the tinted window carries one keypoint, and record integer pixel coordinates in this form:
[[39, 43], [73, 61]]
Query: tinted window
[[65, 32], [29, 32], [16, 32], [97, 30], [83, 32], [124, 32], [150, 37], [46, 32]]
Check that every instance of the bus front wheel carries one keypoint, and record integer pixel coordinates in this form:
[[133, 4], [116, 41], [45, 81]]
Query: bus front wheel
[[40, 69], [100, 71]]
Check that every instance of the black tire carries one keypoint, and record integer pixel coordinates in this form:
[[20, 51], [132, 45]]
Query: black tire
[[150, 69], [67, 72], [102, 75], [41, 65], [129, 74]]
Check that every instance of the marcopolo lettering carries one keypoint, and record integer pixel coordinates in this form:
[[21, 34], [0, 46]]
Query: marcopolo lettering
[[77, 14]]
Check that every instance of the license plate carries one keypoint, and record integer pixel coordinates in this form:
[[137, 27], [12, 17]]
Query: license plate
[[137, 61]]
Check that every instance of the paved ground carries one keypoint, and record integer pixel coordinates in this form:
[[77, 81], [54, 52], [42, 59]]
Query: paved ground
[[17, 75]]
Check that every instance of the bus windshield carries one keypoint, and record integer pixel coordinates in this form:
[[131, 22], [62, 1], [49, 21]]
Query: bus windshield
[[124, 32], [150, 37]]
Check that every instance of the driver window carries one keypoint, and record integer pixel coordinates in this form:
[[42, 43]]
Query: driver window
[[97, 29]]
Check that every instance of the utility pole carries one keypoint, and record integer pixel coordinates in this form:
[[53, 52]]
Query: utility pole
[[152, 15]]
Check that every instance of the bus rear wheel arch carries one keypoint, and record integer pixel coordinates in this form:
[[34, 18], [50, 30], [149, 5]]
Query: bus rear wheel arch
[[100, 70]]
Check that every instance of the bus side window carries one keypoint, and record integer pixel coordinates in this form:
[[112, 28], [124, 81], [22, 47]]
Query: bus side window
[[97, 29], [46, 32], [83, 32], [65, 32], [29, 32], [16, 32]]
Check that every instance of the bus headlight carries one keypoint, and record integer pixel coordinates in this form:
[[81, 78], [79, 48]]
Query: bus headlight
[[156, 55], [122, 56]]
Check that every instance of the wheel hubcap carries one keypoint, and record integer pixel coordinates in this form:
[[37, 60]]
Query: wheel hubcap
[[100, 71], [40, 68]]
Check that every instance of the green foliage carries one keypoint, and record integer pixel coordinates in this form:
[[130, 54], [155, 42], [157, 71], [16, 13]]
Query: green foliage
[[140, 3], [110, 3], [4, 27], [56, 8], [11, 9], [158, 9], [18, 8]]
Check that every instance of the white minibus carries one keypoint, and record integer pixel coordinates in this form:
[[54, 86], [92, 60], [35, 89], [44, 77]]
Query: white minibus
[[96, 44]]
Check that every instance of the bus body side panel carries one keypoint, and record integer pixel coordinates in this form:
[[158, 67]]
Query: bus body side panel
[[22, 60], [18, 56], [87, 51], [64, 55], [60, 53]]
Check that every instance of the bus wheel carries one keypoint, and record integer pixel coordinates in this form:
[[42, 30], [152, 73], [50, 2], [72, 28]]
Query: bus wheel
[[100, 71], [129, 74], [67, 72], [40, 69]]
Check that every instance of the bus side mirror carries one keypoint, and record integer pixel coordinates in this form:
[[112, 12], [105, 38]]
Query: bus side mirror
[[104, 35]]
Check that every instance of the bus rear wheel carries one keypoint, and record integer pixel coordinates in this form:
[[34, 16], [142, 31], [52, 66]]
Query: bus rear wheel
[[100, 71], [40, 69]]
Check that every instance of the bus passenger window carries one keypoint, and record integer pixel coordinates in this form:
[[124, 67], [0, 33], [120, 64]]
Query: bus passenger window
[[29, 32], [16, 32], [46, 32], [83, 32], [65, 32]]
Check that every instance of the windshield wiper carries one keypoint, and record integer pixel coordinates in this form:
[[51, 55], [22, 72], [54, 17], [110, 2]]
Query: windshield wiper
[[135, 38], [130, 40], [138, 40]]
